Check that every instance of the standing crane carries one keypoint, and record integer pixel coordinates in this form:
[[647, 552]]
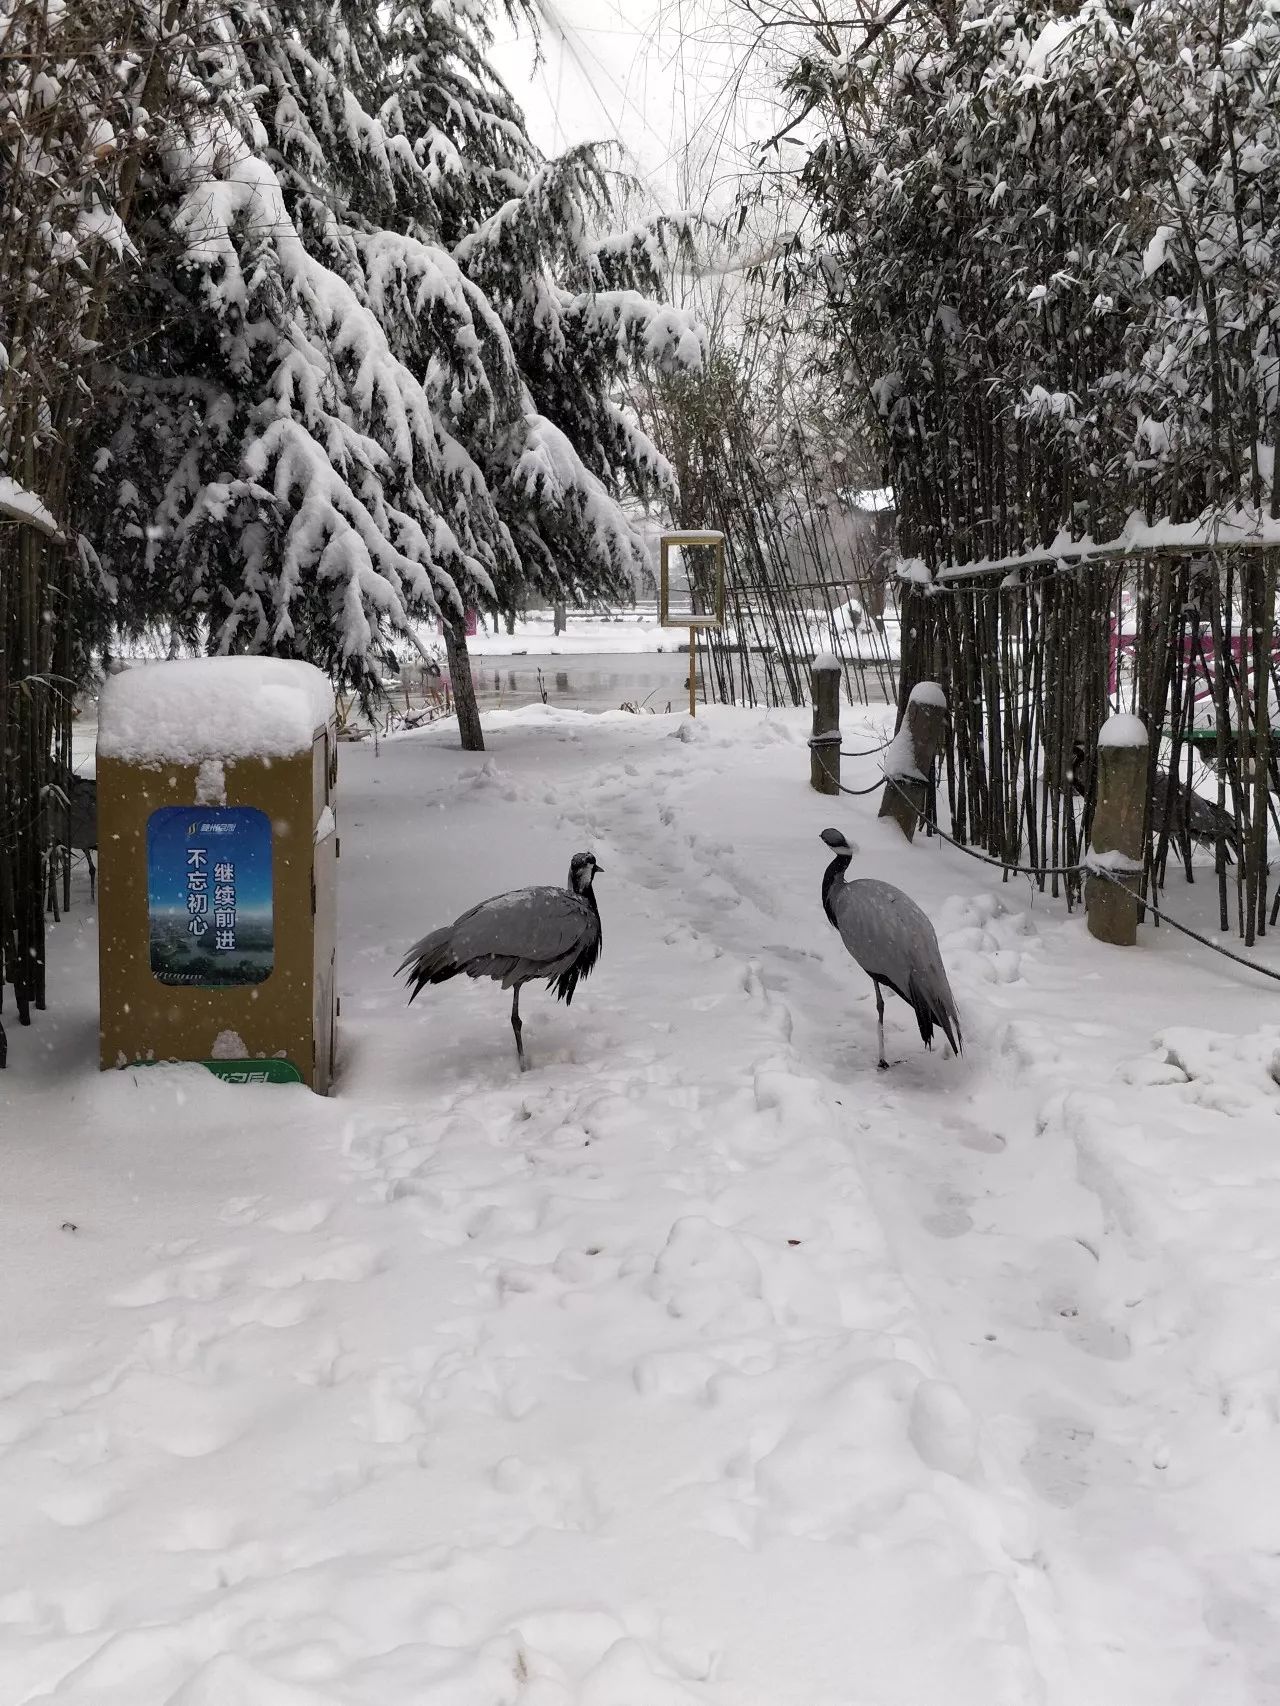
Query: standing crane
[[517, 937], [894, 943]]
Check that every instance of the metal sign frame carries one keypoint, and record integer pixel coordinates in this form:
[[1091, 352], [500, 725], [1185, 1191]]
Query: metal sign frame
[[705, 538]]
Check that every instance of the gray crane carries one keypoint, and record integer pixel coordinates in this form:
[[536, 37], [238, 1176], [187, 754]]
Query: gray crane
[[894, 943], [516, 937]]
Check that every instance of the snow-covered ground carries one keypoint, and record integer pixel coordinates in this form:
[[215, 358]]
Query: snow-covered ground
[[703, 1365]]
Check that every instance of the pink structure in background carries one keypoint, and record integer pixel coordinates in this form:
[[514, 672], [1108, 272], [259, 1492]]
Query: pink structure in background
[[1198, 654], [473, 625]]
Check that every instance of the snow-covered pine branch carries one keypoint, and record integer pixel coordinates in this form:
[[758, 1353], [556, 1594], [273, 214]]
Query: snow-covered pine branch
[[407, 314]]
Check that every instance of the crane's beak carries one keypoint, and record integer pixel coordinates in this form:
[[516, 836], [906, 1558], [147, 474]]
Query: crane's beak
[[597, 870]]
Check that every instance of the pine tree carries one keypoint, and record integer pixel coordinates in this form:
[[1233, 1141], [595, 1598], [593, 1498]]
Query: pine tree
[[378, 366]]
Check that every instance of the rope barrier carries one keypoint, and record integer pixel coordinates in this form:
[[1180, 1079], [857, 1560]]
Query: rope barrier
[[986, 858], [819, 741], [867, 752], [816, 744], [1108, 877], [833, 738], [1186, 930]]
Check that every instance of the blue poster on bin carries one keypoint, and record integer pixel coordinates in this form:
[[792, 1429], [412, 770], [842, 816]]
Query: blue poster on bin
[[209, 895]]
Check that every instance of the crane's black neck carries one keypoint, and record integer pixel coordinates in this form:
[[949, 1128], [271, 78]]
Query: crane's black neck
[[589, 895], [832, 878]]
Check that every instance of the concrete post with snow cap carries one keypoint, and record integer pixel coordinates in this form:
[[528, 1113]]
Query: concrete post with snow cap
[[824, 744], [910, 755], [1118, 822]]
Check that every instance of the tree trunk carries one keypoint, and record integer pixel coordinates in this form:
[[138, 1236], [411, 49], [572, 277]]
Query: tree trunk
[[464, 689]]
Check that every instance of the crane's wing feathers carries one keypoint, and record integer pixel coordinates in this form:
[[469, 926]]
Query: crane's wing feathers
[[528, 933], [894, 943]]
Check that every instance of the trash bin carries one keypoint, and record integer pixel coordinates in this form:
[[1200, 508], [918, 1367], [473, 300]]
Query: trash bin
[[217, 842]]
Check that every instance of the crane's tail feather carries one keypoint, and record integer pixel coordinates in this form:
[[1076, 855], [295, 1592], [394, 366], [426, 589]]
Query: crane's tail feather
[[935, 1007], [433, 960], [430, 961]]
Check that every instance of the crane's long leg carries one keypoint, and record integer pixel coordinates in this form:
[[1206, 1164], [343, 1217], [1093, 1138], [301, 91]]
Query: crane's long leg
[[882, 1063], [517, 1027]]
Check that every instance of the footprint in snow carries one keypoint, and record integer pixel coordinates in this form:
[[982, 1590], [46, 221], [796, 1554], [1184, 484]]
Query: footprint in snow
[[200, 1529], [951, 1217], [240, 1211], [1057, 1462], [346, 1264], [1065, 1301], [974, 1136], [555, 1495], [198, 1281], [305, 1218], [279, 1310], [80, 1503]]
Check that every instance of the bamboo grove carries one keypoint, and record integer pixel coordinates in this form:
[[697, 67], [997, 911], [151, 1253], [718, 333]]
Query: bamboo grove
[[1034, 662], [1043, 250]]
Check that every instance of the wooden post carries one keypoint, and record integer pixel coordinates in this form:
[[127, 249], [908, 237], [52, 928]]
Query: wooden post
[[560, 615], [824, 747], [1118, 821], [693, 672], [910, 755]]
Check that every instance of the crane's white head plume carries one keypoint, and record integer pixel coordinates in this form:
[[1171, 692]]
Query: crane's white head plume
[[839, 846]]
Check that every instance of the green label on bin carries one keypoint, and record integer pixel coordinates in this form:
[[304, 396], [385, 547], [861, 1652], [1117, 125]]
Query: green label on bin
[[240, 1071], [254, 1071], [209, 896]]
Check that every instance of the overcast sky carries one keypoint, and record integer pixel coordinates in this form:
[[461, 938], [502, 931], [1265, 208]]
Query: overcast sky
[[660, 77]]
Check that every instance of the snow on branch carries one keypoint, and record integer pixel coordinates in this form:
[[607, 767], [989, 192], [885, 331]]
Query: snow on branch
[[549, 475], [669, 337], [346, 439], [20, 505]]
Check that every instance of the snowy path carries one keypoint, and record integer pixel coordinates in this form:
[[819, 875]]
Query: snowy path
[[703, 1363]]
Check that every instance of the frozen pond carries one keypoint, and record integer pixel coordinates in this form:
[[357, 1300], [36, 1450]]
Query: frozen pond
[[591, 681], [599, 681]]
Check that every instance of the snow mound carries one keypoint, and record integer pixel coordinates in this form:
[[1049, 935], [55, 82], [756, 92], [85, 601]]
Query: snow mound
[[900, 761], [1123, 731], [1112, 860], [825, 660], [1227, 1074], [928, 693], [198, 709]]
